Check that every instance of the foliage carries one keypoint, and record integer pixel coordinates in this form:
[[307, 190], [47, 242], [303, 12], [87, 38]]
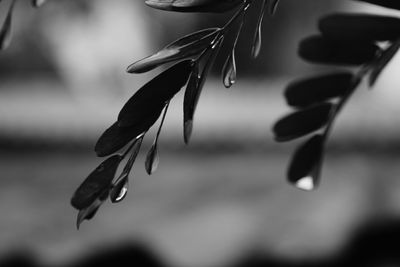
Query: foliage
[[193, 56], [361, 41]]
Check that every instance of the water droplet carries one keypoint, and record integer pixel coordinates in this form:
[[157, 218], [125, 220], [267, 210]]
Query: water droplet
[[120, 190], [306, 183], [229, 70]]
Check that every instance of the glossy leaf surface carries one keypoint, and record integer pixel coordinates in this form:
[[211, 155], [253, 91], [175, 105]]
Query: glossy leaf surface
[[186, 47], [382, 61], [98, 182], [360, 27], [195, 86], [147, 103], [304, 169], [318, 89], [317, 49], [302, 122], [115, 137]]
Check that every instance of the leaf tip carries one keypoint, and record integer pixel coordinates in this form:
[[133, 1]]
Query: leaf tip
[[187, 131]]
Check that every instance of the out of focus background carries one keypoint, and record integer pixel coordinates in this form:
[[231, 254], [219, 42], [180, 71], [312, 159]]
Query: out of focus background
[[212, 203]]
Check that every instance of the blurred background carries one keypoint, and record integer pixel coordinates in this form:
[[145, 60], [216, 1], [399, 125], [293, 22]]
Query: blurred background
[[212, 203]]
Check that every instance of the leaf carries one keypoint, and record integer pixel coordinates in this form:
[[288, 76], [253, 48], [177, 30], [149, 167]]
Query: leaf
[[96, 184], [6, 28], [302, 122], [229, 70], [120, 185], [360, 27], [88, 213], [38, 3], [115, 137], [385, 3], [147, 103], [194, 5], [190, 102], [193, 90], [382, 61], [256, 48], [152, 158], [310, 91], [317, 49], [273, 4], [184, 48], [305, 166]]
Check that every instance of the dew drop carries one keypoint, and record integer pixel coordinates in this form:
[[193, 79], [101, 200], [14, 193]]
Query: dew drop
[[306, 183], [229, 70], [120, 190]]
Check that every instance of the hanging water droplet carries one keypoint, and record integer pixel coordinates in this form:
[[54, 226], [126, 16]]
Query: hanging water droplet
[[229, 70], [120, 190], [152, 159], [306, 183]]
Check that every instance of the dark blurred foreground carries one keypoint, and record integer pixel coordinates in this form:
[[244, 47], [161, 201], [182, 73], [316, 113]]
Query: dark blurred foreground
[[373, 245]]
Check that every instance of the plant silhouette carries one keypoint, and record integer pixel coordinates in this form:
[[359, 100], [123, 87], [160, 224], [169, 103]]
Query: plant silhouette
[[193, 57], [364, 42]]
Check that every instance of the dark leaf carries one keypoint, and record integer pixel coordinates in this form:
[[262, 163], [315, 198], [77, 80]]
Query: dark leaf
[[385, 3], [382, 61], [229, 70], [115, 137], [194, 5], [38, 3], [186, 47], [88, 213], [256, 48], [96, 184], [120, 186], [147, 103], [190, 102], [360, 27], [304, 169], [318, 89], [302, 122], [152, 158], [317, 49], [5, 31], [194, 88]]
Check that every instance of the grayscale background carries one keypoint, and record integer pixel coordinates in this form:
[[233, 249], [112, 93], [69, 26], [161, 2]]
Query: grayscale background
[[212, 203]]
